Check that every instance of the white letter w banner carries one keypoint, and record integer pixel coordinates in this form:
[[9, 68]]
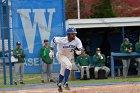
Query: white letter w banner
[[32, 22]]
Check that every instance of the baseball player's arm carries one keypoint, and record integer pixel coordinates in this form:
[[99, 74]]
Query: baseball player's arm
[[51, 54], [104, 58], [95, 58], [131, 48], [15, 54], [137, 48], [122, 48], [56, 40], [79, 46], [77, 63], [23, 54]]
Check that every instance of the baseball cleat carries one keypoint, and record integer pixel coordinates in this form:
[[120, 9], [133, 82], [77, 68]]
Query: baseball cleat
[[66, 86], [51, 80], [59, 87]]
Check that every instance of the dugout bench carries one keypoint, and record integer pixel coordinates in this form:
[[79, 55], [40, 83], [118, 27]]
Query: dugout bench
[[101, 74]]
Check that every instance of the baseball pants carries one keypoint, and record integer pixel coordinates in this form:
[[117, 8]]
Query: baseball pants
[[18, 69], [138, 59], [65, 63], [82, 72], [46, 68], [107, 70], [126, 63]]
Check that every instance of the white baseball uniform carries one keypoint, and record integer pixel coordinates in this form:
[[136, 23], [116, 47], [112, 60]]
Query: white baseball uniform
[[65, 51]]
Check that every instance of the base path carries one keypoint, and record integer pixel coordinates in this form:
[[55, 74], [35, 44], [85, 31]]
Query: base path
[[114, 88]]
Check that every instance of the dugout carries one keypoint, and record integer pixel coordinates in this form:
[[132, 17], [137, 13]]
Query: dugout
[[106, 33]]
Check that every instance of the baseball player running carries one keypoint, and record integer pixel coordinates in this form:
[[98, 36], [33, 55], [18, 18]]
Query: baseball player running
[[65, 49]]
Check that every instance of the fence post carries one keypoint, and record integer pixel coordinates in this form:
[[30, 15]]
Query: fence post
[[3, 49], [9, 45]]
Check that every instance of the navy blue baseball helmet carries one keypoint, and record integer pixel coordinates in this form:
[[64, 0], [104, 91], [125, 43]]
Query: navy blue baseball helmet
[[18, 43], [71, 30]]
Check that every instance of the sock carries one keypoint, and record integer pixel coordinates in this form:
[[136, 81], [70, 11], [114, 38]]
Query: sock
[[60, 78], [66, 75]]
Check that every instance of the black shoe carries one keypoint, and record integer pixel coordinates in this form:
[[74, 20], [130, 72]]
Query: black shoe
[[42, 81], [59, 87], [22, 83], [15, 83], [106, 77], [51, 80], [66, 86]]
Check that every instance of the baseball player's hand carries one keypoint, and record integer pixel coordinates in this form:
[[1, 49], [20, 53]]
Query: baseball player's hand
[[101, 57], [79, 67], [126, 49], [51, 54], [78, 52], [99, 54], [19, 55], [129, 50]]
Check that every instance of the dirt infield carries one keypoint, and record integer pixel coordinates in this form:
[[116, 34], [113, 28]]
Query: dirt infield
[[119, 88]]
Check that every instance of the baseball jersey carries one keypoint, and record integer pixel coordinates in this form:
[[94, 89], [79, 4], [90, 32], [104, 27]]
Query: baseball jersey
[[124, 48], [98, 61], [65, 47], [44, 53], [21, 52], [83, 60]]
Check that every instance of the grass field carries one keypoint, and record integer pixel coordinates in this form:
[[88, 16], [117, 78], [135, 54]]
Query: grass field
[[106, 80], [31, 79], [34, 79]]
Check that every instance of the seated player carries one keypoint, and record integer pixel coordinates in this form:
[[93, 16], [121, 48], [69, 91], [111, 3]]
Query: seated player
[[83, 63], [99, 60]]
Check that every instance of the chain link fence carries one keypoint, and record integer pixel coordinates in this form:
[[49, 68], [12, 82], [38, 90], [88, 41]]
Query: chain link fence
[[29, 78]]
